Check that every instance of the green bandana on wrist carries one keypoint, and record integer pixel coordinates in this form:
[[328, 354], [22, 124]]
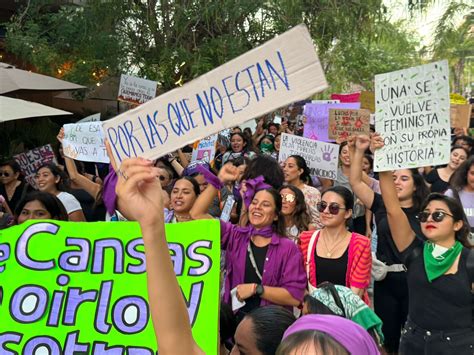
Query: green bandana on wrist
[[435, 267]]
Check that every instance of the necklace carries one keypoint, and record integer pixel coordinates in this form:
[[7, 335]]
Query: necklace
[[330, 251], [182, 218]]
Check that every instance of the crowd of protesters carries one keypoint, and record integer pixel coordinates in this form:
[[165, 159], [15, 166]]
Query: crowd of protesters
[[365, 264]]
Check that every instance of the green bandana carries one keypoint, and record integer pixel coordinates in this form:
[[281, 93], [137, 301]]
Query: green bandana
[[435, 267], [266, 147]]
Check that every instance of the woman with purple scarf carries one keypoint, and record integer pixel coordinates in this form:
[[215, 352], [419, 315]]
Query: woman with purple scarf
[[263, 266]]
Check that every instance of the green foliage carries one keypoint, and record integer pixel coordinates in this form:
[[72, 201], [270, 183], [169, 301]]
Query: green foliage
[[174, 42]]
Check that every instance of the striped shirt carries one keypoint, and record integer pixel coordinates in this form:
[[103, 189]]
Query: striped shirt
[[359, 264]]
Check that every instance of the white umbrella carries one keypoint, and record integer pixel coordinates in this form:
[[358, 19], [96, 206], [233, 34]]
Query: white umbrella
[[12, 79], [14, 109]]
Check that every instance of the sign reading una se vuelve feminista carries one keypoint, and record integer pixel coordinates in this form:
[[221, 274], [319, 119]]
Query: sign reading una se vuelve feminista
[[412, 115]]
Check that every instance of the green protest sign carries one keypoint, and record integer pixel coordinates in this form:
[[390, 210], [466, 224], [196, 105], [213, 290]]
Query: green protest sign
[[81, 287]]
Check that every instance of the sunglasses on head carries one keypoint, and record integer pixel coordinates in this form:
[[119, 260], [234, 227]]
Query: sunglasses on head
[[6, 174], [437, 216], [334, 208], [288, 198]]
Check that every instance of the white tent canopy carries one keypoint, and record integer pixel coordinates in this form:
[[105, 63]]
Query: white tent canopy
[[12, 79], [15, 109]]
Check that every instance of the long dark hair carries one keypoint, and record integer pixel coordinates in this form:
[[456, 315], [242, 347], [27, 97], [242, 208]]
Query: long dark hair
[[193, 181], [421, 189], [456, 209], [50, 202], [64, 183], [269, 325], [301, 164], [247, 142], [344, 192], [300, 215], [458, 180], [267, 167], [279, 224]]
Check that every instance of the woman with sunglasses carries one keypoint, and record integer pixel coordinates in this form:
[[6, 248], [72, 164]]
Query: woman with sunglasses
[[391, 291], [440, 316], [12, 188], [333, 253], [296, 173], [263, 267], [294, 212]]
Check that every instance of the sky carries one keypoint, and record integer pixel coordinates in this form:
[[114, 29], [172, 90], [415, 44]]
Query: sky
[[422, 24]]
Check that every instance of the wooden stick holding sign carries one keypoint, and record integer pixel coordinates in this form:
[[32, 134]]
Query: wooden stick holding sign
[[283, 70], [343, 123]]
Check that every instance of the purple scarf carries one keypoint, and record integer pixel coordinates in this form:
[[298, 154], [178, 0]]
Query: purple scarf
[[253, 186]]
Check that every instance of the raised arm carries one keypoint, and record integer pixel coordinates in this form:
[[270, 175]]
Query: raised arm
[[139, 197], [357, 147], [402, 233], [199, 210], [84, 183]]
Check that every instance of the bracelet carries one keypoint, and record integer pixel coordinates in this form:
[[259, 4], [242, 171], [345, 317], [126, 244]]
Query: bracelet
[[210, 177], [254, 289]]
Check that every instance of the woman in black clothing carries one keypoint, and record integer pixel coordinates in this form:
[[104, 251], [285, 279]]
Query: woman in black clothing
[[12, 188], [391, 291], [439, 280]]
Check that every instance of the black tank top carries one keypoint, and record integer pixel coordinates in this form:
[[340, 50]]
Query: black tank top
[[332, 270]]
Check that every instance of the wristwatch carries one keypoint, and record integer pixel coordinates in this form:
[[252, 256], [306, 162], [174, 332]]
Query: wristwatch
[[259, 290]]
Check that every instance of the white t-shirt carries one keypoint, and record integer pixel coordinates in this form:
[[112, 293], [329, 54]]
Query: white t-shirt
[[71, 204]]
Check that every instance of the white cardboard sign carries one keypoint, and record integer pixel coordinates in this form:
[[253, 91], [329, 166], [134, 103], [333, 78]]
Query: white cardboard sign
[[85, 142], [205, 150], [92, 118], [136, 90], [412, 115], [279, 72], [322, 158]]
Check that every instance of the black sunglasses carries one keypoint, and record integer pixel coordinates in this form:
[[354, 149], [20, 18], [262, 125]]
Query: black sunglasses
[[6, 174], [437, 216], [334, 208]]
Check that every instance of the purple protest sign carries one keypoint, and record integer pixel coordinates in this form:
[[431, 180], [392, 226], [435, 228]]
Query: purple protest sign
[[317, 119]]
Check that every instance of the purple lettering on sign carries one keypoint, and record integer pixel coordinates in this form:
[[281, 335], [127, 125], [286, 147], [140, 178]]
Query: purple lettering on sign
[[130, 314], [103, 305], [99, 255], [104, 349], [139, 351], [75, 260], [134, 253], [194, 300], [22, 246], [42, 345], [73, 345], [203, 259], [4, 254], [10, 337], [75, 297], [28, 303], [177, 255], [57, 302]]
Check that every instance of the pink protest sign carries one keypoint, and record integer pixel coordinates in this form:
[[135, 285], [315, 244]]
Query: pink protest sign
[[317, 119], [346, 98]]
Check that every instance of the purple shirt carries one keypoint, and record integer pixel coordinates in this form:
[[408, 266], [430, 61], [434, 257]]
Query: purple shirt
[[283, 265]]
